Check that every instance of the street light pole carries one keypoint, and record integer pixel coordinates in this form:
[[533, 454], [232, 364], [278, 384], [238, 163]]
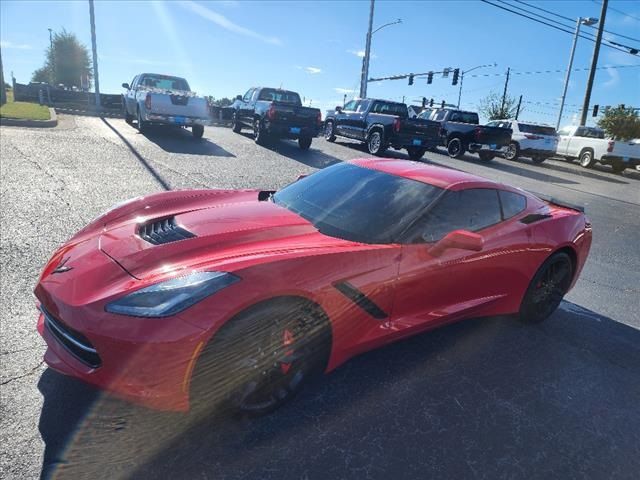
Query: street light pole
[[367, 51], [94, 48], [580, 21], [467, 71], [594, 64]]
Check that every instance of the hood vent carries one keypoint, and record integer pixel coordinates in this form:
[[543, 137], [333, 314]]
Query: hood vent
[[163, 231]]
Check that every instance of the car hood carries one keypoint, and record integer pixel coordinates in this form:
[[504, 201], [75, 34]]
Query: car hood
[[217, 236]]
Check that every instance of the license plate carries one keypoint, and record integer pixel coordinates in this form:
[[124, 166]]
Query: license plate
[[180, 120], [492, 146], [294, 130], [417, 142]]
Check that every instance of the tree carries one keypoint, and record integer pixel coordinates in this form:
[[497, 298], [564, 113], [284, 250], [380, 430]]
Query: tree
[[492, 108], [620, 123], [221, 102], [65, 62]]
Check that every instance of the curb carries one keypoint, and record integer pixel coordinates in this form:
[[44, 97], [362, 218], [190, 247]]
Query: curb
[[17, 122]]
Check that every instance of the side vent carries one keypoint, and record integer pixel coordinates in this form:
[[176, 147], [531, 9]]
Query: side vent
[[163, 231], [534, 217]]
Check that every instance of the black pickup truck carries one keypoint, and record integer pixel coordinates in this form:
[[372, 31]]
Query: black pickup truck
[[276, 113], [382, 124], [460, 132]]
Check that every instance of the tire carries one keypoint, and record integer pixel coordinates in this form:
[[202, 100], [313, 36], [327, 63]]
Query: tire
[[260, 359], [538, 160], [142, 125], [304, 143], [455, 148], [374, 143], [486, 156], [586, 159], [197, 131], [547, 288], [329, 132], [127, 117], [415, 153], [513, 152], [618, 167], [236, 127], [259, 135]]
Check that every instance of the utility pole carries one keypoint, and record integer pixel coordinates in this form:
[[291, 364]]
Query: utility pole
[[3, 92], [367, 52], [518, 109], [52, 73], [94, 48], [594, 64], [504, 94]]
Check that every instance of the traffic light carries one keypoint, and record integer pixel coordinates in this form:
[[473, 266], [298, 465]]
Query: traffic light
[[431, 102], [595, 110], [424, 102], [411, 79], [430, 78], [456, 72]]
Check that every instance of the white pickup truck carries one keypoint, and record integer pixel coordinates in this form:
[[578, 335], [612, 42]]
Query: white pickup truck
[[165, 100], [589, 146]]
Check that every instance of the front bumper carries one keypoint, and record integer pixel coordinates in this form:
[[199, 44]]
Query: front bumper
[[162, 119], [154, 370], [614, 159]]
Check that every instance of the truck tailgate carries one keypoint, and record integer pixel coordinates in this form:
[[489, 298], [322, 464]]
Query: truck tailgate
[[295, 116], [493, 135], [628, 149], [177, 104], [420, 128]]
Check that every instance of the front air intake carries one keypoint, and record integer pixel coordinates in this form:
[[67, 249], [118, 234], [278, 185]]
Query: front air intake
[[162, 231]]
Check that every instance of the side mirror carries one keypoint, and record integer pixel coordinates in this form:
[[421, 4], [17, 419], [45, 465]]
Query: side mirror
[[338, 109], [238, 97], [462, 239], [125, 85]]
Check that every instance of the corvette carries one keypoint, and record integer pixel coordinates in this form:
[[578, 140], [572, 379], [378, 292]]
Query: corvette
[[204, 298]]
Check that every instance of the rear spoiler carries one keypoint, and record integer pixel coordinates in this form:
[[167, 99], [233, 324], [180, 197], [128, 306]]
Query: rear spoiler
[[560, 203]]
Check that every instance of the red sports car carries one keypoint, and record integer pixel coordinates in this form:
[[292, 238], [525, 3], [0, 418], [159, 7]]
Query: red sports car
[[235, 297]]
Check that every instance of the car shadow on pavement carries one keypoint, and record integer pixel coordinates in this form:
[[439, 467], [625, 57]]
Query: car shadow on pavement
[[179, 140], [289, 148], [489, 395]]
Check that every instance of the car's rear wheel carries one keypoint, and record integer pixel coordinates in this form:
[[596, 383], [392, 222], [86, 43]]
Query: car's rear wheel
[[259, 135], [261, 359], [586, 159], [415, 153], [329, 133], [236, 126], [374, 143], [455, 148], [486, 156], [547, 289], [305, 143], [513, 151], [618, 167], [197, 131], [537, 159]]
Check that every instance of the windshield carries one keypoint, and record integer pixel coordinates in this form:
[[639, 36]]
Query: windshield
[[281, 96], [164, 82], [358, 204]]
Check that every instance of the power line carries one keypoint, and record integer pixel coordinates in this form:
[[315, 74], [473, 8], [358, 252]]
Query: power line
[[556, 26], [573, 19], [620, 12], [536, 72]]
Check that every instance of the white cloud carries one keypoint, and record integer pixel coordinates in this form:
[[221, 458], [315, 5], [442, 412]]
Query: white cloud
[[344, 90], [313, 70], [614, 78], [227, 24], [17, 46], [360, 53]]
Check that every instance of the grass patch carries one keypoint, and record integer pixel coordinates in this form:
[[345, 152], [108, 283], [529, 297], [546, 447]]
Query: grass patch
[[23, 110]]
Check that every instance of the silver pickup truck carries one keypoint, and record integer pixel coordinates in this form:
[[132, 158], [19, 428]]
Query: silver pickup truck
[[165, 100]]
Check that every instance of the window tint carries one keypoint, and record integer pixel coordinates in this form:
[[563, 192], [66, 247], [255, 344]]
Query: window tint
[[512, 203], [388, 108], [165, 82], [358, 204], [247, 96], [351, 106], [362, 107], [440, 115], [282, 96], [465, 117], [537, 129], [472, 210]]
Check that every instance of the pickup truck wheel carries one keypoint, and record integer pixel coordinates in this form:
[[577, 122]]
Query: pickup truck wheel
[[142, 125], [538, 159], [415, 153], [586, 159], [486, 156], [236, 126], [304, 143], [374, 143], [127, 117], [513, 152], [259, 134], [455, 148], [197, 131], [618, 167], [329, 134]]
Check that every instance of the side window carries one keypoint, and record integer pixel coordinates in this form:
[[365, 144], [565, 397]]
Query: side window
[[363, 105], [132, 85], [351, 106], [248, 95], [472, 209], [512, 203], [440, 116], [565, 131], [492, 124]]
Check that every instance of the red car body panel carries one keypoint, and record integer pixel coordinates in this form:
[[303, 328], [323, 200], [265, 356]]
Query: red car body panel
[[277, 253]]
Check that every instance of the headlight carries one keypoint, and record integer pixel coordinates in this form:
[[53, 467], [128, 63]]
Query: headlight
[[173, 296]]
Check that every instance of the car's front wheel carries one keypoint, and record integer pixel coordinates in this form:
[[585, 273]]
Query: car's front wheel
[[329, 133], [236, 126], [547, 289], [513, 151], [260, 359], [374, 143], [259, 135], [586, 159], [127, 116], [142, 125], [455, 148]]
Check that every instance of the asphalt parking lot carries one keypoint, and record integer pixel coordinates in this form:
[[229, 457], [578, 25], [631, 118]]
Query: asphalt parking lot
[[487, 398]]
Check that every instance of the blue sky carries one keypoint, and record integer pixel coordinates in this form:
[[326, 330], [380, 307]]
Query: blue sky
[[224, 47]]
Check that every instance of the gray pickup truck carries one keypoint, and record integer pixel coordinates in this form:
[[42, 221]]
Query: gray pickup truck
[[154, 99]]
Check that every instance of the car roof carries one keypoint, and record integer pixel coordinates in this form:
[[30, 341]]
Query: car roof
[[441, 177]]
